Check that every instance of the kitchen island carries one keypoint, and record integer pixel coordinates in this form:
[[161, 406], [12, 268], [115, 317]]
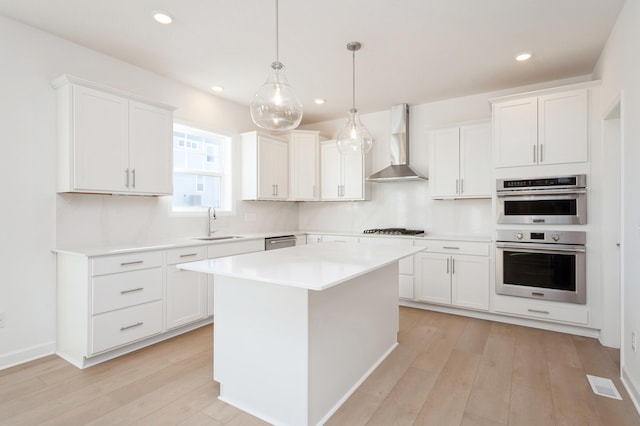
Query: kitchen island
[[297, 330]]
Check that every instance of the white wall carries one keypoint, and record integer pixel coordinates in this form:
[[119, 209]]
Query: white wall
[[36, 219], [619, 69]]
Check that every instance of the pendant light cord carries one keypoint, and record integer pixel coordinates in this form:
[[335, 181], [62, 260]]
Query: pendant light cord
[[353, 54], [277, 36]]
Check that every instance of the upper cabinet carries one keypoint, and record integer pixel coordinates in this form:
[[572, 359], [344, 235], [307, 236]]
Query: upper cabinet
[[460, 162], [541, 130], [265, 170], [343, 176], [112, 142], [304, 165]]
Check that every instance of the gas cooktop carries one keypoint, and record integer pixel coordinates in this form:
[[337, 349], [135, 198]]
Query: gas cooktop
[[394, 231]]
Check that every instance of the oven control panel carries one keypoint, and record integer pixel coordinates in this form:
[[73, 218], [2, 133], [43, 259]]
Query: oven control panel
[[549, 237]]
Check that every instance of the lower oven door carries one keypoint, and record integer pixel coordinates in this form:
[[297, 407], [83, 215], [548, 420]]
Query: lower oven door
[[556, 208], [542, 271]]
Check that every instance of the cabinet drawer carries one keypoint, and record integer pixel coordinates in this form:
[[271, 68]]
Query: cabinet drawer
[[120, 327], [535, 309], [236, 247], [116, 291], [186, 254], [125, 262], [454, 247]]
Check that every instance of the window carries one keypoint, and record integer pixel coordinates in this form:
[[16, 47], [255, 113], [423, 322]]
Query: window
[[201, 169]]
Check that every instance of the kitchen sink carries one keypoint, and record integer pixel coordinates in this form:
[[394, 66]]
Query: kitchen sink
[[219, 237]]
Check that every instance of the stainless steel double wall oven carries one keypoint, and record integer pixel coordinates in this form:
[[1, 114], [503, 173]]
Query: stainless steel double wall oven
[[541, 263]]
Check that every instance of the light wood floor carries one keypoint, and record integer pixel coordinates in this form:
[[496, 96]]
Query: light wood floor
[[447, 370]]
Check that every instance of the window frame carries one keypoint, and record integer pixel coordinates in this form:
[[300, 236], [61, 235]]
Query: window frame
[[226, 174]]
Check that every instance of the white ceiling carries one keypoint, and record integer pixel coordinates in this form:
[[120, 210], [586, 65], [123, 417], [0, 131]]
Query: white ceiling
[[414, 51]]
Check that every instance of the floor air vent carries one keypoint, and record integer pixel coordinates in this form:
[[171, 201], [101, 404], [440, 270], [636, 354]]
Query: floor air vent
[[603, 387]]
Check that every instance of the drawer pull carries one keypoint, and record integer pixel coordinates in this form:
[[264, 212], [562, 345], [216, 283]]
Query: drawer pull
[[133, 290], [536, 311], [137, 262], [450, 248], [138, 324], [189, 255]]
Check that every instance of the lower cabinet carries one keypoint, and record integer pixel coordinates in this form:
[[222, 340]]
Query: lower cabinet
[[186, 291], [112, 304], [405, 267], [453, 279]]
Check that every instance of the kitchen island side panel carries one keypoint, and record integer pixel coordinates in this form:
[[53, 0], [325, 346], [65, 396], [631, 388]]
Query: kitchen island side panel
[[352, 328], [261, 349]]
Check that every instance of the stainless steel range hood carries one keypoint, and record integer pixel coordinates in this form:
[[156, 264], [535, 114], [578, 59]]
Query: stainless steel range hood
[[399, 170]]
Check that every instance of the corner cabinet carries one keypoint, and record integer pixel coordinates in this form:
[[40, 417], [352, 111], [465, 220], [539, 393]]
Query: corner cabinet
[[552, 128], [265, 167], [112, 142], [453, 273], [343, 176], [186, 293], [460, 162], [304, 162]]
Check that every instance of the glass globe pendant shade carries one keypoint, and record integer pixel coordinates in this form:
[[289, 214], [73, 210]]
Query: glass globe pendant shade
[[354, 138], [275, 105]]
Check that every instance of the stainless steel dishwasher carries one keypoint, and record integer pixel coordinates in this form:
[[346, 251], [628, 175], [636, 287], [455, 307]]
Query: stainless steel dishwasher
[[279, 242]]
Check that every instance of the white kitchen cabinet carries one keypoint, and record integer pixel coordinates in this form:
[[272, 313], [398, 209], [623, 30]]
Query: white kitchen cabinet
[[405, 266], [342, 176], [107, 302], [460, 162], [111, 304], [265, 167], [540, 130], [453, 273], [304, 165], [227, 249], [112, 142], [186, 291], [541, 309]]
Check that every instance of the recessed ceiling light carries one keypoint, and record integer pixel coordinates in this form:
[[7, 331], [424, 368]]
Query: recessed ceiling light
[[319, 101], [217, 88], [525, 56], [162, 17]]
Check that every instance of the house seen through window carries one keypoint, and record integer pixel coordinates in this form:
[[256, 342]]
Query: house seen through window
[[201, 169]]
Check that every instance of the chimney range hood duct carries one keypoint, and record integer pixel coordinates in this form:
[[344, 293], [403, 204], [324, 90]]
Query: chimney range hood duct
[[399, 170]]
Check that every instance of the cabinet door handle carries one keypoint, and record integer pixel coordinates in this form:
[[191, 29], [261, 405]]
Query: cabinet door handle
[[451, 248], [314, 191], [133, 173], [448, 265], [126, 173], [137, 262], [453, 266], [461, 186], [277, 189], [133, 290], [541, 156], [536, 311], [127, 327], [188, 255], [457, 186], [338, 190]]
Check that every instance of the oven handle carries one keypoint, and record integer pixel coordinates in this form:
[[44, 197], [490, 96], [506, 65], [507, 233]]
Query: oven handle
[[515, 193], [543, 247]]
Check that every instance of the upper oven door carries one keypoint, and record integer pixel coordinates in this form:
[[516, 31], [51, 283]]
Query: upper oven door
[[535, 208]]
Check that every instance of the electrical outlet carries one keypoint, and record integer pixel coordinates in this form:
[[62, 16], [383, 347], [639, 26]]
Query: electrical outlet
[[1, 319], [633, 341]]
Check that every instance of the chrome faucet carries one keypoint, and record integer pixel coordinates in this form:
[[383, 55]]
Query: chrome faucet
[[210, 216]]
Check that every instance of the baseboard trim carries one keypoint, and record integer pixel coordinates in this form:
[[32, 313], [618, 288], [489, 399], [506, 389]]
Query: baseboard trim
[[632, 388], [25, 355]]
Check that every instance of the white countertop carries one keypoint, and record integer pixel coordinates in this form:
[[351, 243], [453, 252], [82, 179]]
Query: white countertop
[[312, 267]]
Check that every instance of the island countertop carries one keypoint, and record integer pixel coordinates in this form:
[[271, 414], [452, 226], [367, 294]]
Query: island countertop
[[312, 267]]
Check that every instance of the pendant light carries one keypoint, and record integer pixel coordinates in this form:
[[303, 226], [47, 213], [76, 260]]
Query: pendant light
[[275, 105], [354, 138]]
